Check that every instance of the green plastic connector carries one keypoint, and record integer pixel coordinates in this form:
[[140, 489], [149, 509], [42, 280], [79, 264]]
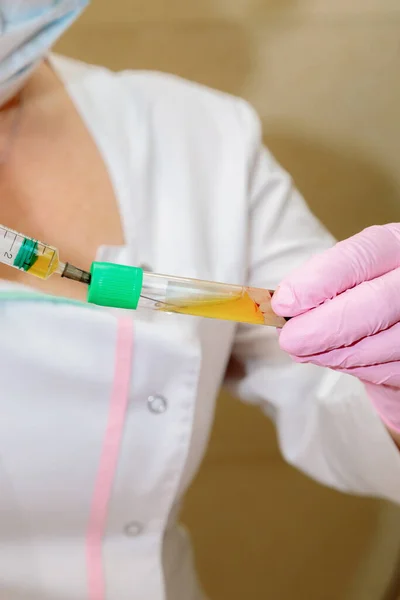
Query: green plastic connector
[[114, 285]]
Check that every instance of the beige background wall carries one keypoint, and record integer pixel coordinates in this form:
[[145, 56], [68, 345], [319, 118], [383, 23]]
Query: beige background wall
[[325, 78]]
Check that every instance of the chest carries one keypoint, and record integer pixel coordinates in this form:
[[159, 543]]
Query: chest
[[56, 188]]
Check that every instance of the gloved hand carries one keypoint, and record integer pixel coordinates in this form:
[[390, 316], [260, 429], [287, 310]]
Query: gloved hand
[[346, 304]]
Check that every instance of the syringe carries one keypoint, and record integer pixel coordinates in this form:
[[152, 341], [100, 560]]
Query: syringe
[[34, 257], [128, 287]]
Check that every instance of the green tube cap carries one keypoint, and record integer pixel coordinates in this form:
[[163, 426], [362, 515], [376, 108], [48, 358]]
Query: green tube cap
[[113, 285]]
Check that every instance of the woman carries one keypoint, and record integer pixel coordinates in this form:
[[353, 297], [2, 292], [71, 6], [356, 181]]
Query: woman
[[105, 416]]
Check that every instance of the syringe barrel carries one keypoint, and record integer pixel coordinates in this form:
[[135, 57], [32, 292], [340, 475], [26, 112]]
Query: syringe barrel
[[27, 254], [130, 287]]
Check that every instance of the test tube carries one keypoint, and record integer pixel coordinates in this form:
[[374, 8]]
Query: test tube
[[130, 287]]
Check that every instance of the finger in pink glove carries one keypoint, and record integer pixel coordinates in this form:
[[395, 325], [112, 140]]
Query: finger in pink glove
[[346, 304]]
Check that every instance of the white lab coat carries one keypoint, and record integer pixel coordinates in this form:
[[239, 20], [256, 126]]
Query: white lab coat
[[198, 197]]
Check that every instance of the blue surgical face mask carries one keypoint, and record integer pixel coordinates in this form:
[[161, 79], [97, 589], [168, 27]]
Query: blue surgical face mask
[[28, 28]]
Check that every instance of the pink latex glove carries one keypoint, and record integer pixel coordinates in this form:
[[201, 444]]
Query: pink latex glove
[[346, 304]]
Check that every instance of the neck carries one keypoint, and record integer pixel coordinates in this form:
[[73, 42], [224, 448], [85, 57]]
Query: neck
[[35, 103], [41, 84]]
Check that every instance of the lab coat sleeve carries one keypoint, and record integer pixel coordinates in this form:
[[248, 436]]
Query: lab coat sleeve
[[325, 422]]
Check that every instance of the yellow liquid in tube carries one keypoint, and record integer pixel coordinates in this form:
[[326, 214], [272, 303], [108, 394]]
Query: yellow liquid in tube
[[241, 308]]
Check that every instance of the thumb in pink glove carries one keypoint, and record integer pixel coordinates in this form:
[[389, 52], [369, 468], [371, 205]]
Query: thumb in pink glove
[[346, 304]]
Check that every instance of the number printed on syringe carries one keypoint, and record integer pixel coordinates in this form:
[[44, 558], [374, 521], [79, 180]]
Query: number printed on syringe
[[10, 244]]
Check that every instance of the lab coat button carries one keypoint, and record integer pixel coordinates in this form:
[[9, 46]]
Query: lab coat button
[[133, 529], [157, 404]]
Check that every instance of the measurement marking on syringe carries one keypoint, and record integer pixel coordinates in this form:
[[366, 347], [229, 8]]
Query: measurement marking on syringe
[[15, 239]]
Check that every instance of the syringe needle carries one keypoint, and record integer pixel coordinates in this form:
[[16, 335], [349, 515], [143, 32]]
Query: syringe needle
[[71, 272]]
